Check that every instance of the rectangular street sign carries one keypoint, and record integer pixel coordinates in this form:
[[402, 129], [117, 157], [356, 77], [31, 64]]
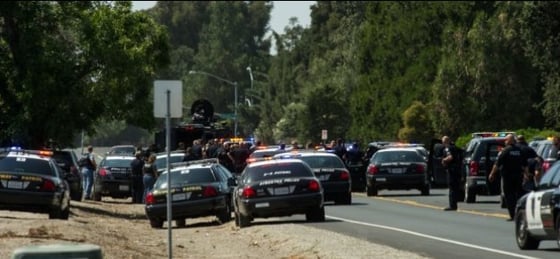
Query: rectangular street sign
[[175, 88], [324, 134]]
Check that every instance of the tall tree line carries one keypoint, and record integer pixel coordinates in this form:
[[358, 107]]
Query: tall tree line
[[362, 70]]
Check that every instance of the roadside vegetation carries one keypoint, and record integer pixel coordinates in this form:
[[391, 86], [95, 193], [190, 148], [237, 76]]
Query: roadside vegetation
[[363, 71]]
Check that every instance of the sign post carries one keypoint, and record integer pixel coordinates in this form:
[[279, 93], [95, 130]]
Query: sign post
[[168, 103], [324, 134]]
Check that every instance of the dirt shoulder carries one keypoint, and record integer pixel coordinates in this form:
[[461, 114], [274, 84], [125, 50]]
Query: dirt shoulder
[[122, 231]]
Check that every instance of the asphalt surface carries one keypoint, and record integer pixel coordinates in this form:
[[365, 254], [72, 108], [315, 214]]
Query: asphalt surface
[[408, 221]]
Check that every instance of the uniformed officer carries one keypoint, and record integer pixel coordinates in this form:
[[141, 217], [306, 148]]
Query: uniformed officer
[[529, 154], [513, 168], [452, 165]]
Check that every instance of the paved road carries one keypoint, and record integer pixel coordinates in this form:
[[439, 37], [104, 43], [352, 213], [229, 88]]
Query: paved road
[[406, 220]]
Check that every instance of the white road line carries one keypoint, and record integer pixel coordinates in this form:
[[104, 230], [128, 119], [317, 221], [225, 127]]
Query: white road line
[[434, 238]]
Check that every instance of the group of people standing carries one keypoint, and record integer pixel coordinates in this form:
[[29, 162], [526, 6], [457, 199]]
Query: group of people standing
[[517, 164], [144, 175], [232, 155]]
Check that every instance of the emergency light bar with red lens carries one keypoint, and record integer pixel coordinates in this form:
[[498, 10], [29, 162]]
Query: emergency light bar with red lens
[[27, 151]]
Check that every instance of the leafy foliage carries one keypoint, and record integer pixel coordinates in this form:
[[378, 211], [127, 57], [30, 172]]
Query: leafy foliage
[[67, 64]]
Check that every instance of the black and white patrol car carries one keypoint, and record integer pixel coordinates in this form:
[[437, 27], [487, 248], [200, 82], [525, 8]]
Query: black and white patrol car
[[198, 188], [31, 181], [278, 188], [331, 171], [113, 177], [537, 214]]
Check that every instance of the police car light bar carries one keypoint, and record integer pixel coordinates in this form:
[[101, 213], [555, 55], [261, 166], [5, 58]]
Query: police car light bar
[[492, 134], [26, 151], [195, 162]]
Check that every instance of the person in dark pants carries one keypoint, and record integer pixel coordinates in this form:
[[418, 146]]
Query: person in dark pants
[[452, 165], [137, 167], [150, 175], [512, 166]]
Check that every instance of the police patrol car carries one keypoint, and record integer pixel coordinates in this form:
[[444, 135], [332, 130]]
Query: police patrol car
[[31, 181], [537, 214]]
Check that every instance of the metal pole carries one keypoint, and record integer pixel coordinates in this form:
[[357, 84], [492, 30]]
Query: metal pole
[[167, 144], [235, 112]]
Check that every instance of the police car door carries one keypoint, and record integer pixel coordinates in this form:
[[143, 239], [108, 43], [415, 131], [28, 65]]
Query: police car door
[[492, 151], [539, 206]]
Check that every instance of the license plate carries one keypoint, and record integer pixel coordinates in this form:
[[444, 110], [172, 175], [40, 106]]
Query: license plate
[[324, 177], [181, 196], [15, 185], [380, 179], [281, 190], [481, 182], [397, 170], [123, 188], [262, 205]]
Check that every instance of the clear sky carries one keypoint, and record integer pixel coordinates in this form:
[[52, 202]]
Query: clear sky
[[280, 16]]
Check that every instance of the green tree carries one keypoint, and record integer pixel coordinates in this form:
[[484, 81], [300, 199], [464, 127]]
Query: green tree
[[540, 27], [398, 54], [67, 64], [417, 124]]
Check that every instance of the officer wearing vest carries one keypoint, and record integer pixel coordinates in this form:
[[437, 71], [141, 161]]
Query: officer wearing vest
[[512, 166], [452, 164]]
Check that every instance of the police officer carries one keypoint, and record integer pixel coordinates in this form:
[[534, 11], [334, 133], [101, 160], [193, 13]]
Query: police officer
[[452, 165], [530, 155], [513, 168]]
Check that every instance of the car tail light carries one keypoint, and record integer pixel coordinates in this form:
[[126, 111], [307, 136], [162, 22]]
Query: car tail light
[[249, 192], [313, 186], [47, 185], [150, 199], [545, 166], [473, 168], [103, 172], [209, 191], [344, 175], [372, 169], [419, 168]]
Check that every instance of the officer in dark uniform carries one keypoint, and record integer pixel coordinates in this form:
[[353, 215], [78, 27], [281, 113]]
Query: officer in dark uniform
[[512, 166], [529, 154], [452, 165], [340, 149]]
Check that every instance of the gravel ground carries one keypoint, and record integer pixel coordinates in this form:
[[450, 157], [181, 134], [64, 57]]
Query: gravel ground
[[122, 231]]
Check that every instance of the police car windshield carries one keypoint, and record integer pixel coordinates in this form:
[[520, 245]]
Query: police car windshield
[[117, 163], [396, 156], [25, 165], [162, 161], [184, 176], [322, 161], [275, 171]]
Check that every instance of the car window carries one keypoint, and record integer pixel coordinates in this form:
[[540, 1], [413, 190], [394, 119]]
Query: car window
[[223, 171], [547, 177], [555, 178], [26, 165], [396, 156], [161, 161], [277, 170], [187, 176], [471, 148], [550, 151], [117, 163], [122, 150], [322, 161]]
